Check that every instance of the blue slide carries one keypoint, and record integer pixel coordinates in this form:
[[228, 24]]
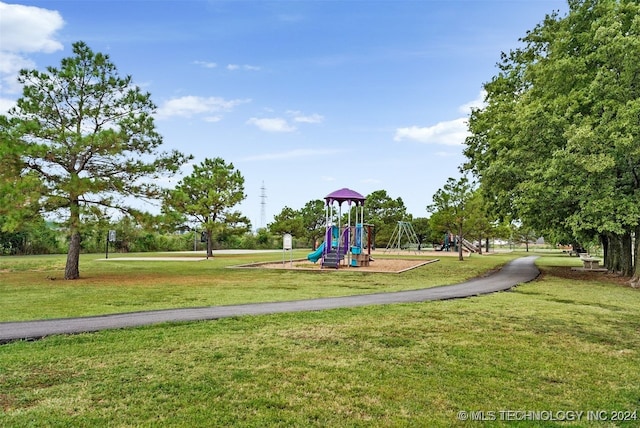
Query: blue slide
[[315, 256]]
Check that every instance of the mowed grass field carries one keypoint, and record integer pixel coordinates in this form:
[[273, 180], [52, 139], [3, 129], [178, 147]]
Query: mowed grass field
[[563, 350], [33, 288]]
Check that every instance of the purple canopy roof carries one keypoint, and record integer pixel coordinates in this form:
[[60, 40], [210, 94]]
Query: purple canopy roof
[[343, 195]]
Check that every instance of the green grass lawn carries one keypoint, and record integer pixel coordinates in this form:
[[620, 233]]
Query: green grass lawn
[[33, 288], [563, 343]]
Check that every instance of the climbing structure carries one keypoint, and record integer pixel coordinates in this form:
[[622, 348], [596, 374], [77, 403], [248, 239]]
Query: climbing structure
[[344, 245]]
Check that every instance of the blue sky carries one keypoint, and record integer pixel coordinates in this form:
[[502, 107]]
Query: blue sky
[[306, 97]]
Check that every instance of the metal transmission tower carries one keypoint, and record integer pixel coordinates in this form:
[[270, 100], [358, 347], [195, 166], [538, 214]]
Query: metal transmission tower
[[263, 205]]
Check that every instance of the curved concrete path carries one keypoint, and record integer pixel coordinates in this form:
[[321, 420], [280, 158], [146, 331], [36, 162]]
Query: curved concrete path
[[516, 272]]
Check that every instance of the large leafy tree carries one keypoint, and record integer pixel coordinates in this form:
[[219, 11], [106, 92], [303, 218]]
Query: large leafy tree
[[307, 222], [82, 136], [481, 224], [558, 144], [384, 213], [451, 203], [288, 220], [422, 227], [234, 226], [208, 195], [20, 189], [313, 220]]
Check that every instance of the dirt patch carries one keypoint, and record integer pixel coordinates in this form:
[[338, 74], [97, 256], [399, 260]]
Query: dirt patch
[[378, 265], [7, 402]]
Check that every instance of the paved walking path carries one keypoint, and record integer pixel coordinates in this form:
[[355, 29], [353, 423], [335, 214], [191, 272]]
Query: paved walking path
[[515, 272]]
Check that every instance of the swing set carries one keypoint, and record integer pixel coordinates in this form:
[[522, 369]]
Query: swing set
[[403, 238]]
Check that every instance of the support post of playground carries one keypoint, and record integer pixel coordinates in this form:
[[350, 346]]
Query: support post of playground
[[287, 246]]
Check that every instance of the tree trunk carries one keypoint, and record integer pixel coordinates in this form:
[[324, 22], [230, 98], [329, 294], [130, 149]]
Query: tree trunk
[[460, 258], [615, 249], [209, 244], [72, 268], [605, 241], [618, 254], [626, 257]]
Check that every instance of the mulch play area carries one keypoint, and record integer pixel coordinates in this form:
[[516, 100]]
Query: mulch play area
[[378, 265]]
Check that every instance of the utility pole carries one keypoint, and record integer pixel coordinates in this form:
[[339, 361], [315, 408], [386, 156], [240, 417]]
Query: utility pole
[[263, 205]]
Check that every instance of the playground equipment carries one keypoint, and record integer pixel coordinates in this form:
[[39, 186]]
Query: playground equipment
[[317, 254], [469, 246], [446, 243], [452, 241], [403, 238], [344, 245]]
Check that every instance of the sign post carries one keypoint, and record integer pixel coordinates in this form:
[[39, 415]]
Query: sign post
[[287, 245], [111, 237]]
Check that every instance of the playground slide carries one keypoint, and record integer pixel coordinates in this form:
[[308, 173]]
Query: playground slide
[[317, 254], [469, 246]]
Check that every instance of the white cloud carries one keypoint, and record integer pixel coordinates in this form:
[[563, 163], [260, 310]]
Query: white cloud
[[29, 29], [273, 124], [230, 67], [298, 153], [246, 67], [279, 124], [206, 64], [5, 105], [190, 105], [24, 30], [450, 133], [10, 65], [300, 118], [477, 103]]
